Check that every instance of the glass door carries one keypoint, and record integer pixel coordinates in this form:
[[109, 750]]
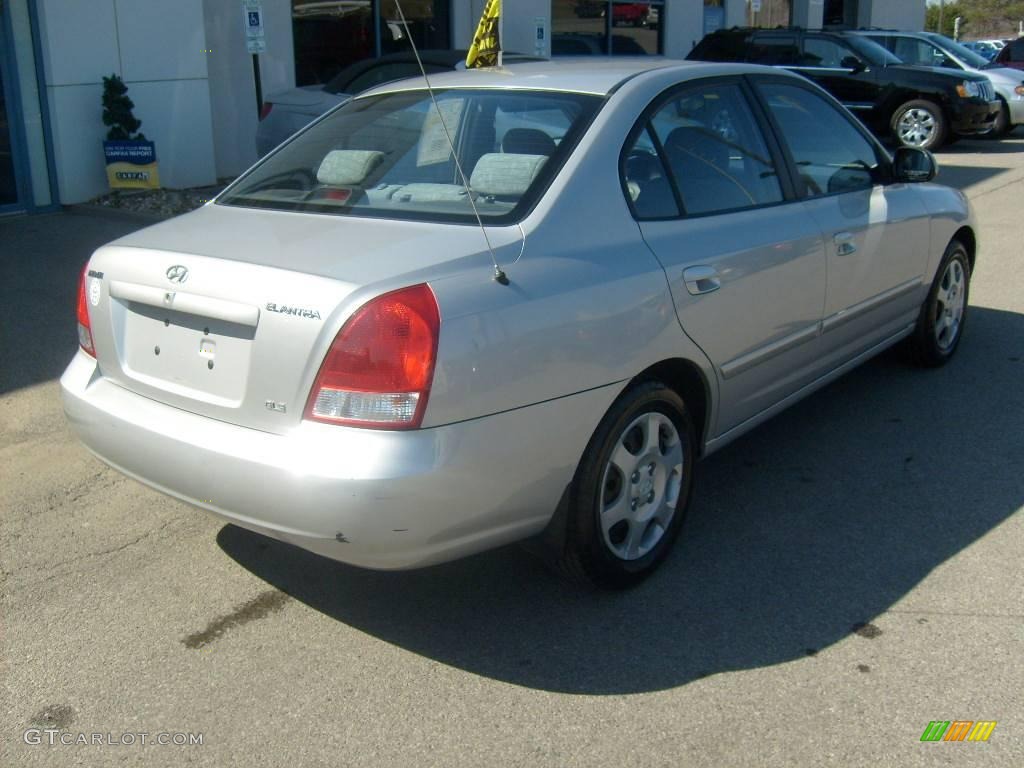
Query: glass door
[[8, 181]]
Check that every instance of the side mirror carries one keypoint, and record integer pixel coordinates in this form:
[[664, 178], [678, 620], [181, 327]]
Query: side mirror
[[853, 64], [913, 166]]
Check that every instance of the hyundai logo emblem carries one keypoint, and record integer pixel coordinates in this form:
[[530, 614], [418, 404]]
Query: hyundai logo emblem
[[177, 274]]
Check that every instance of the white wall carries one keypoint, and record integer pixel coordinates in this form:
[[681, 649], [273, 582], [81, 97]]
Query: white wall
[[808, 13], [519, 27], [736, 13], [465, 17], [232, 84], [158, 49], [891, 14]]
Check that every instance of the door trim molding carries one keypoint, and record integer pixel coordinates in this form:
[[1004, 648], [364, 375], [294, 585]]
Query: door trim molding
[[749, 360], [844, 316]]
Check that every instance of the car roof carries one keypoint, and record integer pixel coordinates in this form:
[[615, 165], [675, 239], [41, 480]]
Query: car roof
[[599, 75]]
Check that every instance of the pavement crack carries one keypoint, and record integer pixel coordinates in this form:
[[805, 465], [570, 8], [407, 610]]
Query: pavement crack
[[90, 555], [968, 614], [996, 188]]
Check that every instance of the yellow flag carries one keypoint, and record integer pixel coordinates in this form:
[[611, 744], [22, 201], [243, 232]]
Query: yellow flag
[[484, 50]]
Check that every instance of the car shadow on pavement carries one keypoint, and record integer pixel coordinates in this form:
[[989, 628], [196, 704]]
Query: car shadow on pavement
[[801, 533], [963, 177], [42, 260]]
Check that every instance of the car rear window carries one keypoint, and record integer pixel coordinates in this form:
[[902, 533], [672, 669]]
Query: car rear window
[[388, 156]]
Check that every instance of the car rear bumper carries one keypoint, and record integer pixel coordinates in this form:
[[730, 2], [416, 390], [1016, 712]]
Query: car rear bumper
[[377, 499], [972, 117]]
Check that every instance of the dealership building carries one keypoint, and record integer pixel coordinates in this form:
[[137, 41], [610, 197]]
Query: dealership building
[[191, 71]]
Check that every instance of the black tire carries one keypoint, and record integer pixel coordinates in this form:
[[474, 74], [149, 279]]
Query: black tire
[[587, 556], [937, 136], [929, 346], [1002, 125]]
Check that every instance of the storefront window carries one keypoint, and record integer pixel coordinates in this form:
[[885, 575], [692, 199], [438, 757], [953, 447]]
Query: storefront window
[[600, 27], [329, 36], [773, 13]]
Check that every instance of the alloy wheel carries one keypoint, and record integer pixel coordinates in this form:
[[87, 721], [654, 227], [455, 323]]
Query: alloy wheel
[[641, 485], [949, 305], [916, 127]]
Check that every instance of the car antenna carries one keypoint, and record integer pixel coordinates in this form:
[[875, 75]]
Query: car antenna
[[499, 274]]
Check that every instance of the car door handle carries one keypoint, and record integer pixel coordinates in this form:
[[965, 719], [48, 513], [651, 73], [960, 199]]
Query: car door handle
[[701, 280], [844, 243]]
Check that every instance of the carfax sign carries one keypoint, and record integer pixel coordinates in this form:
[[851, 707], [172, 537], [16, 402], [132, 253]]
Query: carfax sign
[[131, 165]]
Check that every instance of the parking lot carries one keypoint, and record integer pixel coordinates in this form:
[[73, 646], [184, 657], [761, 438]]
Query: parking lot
[[849, 572]]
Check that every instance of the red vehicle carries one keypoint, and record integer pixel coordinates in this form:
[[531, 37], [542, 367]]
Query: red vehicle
[[1012, 54], [633, 14]]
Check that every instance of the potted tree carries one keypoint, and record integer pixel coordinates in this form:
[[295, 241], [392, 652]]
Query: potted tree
[[130, 158]]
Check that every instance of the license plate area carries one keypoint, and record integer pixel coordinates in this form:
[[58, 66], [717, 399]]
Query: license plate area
[[199, 357]]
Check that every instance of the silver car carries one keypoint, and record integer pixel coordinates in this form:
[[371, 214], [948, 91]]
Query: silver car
[[394, 354]]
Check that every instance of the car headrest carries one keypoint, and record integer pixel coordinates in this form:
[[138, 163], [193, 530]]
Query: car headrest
[[698, 147], [505, 175], [347, 167], [527, 141]]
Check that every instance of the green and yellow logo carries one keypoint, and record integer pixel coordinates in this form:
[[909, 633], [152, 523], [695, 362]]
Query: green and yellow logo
[[958, 730]]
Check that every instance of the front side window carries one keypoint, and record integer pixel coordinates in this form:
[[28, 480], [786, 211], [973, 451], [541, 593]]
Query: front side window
[[388, 156], [909, 50], [714, 153], [830, 154]]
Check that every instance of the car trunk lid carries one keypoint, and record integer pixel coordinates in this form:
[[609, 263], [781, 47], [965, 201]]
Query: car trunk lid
[[228, 312]]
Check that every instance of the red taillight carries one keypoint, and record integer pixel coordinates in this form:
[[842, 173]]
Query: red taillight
[[265, 109], [84, 326], [378, 371]]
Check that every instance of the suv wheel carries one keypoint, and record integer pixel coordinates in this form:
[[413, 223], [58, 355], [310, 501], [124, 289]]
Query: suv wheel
[[920, 124]]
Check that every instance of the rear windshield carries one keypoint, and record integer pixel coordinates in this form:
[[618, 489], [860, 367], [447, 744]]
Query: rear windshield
[[389, 156]]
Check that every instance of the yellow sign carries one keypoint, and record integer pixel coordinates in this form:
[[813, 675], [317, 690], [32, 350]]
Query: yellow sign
[[486, 45], [131, 165]]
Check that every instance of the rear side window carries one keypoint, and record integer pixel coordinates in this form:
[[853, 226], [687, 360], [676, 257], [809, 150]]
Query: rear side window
[[776, 50], [825, 53], [706, 144], [830, 154], [720, 47]]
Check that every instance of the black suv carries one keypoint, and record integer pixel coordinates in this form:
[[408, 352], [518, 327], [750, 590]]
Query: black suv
[[919, 106]]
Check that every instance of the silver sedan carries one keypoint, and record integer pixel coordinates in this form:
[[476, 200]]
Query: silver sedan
[[521, 306]]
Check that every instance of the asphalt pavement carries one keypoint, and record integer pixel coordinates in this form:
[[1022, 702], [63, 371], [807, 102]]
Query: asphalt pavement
[[850, 571]]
